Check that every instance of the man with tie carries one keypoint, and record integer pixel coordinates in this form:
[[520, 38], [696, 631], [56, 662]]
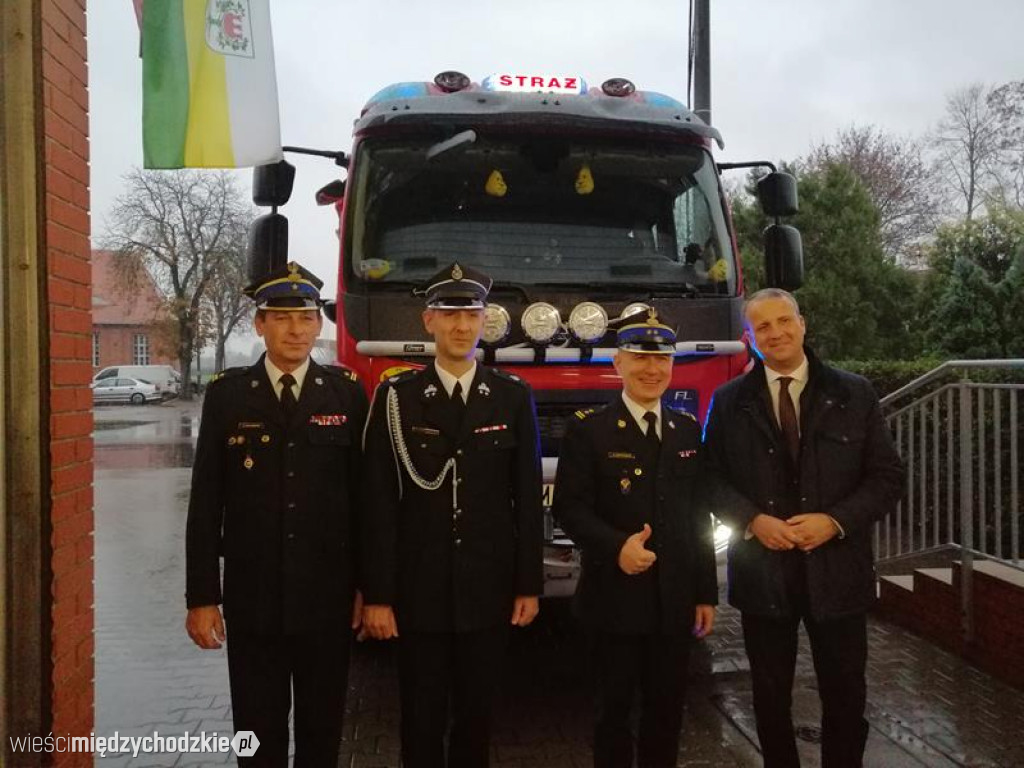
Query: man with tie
[[274, 493], [627, 492], [452, 542], [802, 464]]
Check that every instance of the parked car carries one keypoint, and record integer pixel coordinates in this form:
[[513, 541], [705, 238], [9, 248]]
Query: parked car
[[124, 390], [166, 379]]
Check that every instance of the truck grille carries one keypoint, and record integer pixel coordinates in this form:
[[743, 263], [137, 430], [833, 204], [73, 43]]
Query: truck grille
[[552, 420]]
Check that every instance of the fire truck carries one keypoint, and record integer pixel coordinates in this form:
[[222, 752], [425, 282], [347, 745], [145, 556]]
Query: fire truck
[[587, 205]]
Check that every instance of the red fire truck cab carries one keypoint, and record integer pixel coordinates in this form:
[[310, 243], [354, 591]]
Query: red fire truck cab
[[586, 205]]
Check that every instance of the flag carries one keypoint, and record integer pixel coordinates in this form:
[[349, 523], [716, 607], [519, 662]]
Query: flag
[[209, 88]]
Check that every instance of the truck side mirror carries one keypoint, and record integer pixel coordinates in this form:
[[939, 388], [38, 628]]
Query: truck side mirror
[[272, 184], [268, 245], [783, 257], [778, 195], [331, 192]]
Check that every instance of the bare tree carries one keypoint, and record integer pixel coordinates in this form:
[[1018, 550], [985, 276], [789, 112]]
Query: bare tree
[[1007, 104], [178, 226], [966, 142], [229, 309], [901, 183]]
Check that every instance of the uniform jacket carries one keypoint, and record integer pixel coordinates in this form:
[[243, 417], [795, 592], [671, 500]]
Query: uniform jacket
[[608, 485], [848, 468], [447, 566], [277, 498]]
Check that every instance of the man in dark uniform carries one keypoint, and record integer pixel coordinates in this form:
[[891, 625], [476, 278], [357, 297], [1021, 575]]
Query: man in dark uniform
[[627, 493], [452, 546], [803, 464], [274, 492]]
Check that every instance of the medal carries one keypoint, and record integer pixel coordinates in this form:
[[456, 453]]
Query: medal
[[248, 463], [624, 485]]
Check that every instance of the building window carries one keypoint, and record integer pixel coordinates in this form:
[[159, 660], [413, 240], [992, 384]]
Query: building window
[[140, 350], [95, 349]]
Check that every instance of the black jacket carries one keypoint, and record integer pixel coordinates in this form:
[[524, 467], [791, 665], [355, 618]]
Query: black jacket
[[445, 567], [848, 469], [608, 485], [277, 498]]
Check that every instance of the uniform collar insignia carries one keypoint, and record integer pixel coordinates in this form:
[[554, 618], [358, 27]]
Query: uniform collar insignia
[[430, 391]]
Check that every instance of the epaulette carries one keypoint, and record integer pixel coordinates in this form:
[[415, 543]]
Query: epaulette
[[509, 376], [227, 373], [343, 371], [398, 378], [584, 413], [681, 412]]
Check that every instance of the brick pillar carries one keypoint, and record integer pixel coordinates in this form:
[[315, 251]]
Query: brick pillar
[[65, 128]]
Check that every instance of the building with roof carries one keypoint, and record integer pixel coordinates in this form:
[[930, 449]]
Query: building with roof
[[126, 327]]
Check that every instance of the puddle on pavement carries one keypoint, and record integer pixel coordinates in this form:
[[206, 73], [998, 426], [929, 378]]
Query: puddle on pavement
[[145, 456]]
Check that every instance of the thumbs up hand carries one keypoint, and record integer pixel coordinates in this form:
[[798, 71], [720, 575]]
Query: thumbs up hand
[[634, 558]]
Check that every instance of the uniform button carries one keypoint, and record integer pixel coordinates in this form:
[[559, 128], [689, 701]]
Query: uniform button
[[458, 542], [803, 498], [771, 450], [291, 445], [458, 452], [457, 513], [291, 536], [291, 505], [661, 498], [290, 473]]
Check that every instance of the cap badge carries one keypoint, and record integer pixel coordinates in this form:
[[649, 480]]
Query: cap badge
[[456, 272], [293, 271]]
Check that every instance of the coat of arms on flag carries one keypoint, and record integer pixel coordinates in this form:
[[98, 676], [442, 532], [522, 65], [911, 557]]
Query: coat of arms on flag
[[228, 28]]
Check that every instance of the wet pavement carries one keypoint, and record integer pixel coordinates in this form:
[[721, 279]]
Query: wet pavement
[[926, 707]]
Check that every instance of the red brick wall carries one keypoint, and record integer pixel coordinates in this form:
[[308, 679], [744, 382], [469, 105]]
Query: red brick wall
[[932, 610], [117, 346], [69, 298]]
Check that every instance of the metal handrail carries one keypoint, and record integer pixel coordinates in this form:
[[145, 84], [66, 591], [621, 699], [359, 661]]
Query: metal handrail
[[961, 442], [946, 367]]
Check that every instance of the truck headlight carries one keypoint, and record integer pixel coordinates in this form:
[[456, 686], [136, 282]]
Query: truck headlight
[[497, 324], [637, 308], [588, 322], [541, 322]]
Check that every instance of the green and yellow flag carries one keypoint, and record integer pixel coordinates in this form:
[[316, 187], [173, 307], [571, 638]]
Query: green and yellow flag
[[209, 88]]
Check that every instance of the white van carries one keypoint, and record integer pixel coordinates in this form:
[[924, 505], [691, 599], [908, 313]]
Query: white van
[[166, 379]]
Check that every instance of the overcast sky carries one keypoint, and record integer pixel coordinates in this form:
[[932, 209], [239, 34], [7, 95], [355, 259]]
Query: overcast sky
[[786, 74]]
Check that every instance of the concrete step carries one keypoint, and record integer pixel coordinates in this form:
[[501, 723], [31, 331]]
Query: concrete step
[[945, 575], [903, 582]]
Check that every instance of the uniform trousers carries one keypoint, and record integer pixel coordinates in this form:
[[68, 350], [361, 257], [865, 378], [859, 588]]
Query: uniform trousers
[[656, 664], [442, 673], [268, 672]]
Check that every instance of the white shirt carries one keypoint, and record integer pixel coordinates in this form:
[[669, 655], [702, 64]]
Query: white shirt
[[275, 374], [637, 411], [796, 387], [448, 380]]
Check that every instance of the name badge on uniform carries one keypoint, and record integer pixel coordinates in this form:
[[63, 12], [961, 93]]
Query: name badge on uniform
[[328, 419]]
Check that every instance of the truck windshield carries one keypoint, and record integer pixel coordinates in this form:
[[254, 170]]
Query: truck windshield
[[541, 211]]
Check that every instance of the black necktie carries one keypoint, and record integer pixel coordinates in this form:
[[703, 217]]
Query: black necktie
[[458, 405], [787, 420], [652, 430], [287, 395]]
